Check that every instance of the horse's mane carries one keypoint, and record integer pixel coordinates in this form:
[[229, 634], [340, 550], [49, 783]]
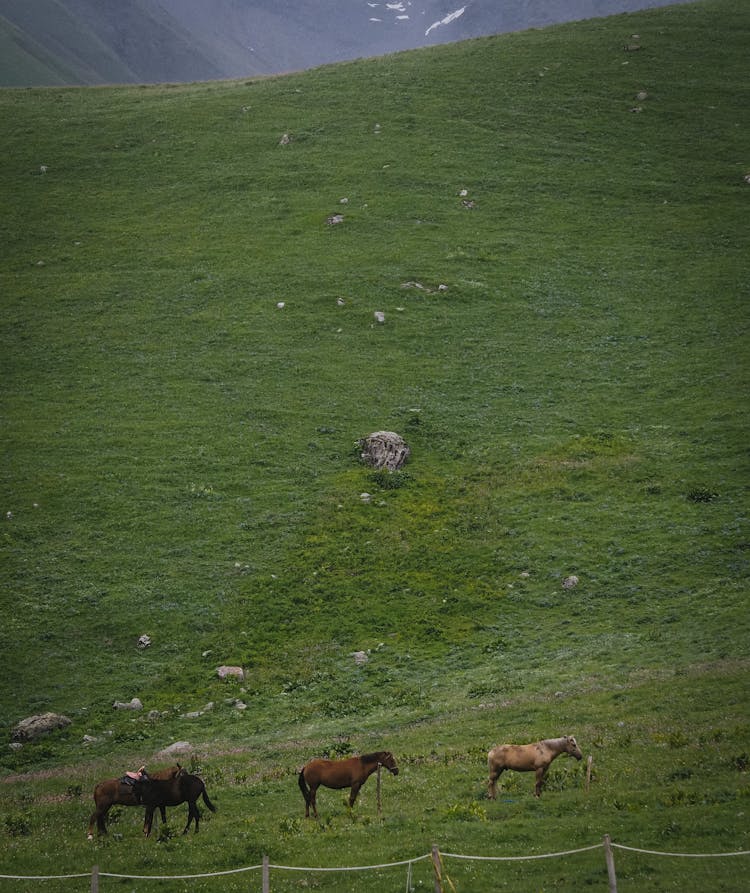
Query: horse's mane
[[373, 757]]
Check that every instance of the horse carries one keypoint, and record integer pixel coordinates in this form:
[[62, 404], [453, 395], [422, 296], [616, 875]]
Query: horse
[[529, 757], [337, 774], [114, 792], [158, 793]]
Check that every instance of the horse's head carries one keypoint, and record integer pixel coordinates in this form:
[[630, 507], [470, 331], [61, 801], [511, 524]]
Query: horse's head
[[572, 748], [387, 760]]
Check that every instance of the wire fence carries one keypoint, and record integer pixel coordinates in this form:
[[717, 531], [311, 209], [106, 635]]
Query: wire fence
[[442, 881]]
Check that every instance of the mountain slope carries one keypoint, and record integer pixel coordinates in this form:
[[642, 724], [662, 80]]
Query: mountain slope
[[554, 228], [161, 41]]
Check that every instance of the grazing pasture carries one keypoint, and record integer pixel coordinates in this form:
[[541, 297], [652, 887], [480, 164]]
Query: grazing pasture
[[190, 358]]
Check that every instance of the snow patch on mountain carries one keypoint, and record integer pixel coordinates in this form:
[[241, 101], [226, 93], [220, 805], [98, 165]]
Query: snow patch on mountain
[[446, 20]]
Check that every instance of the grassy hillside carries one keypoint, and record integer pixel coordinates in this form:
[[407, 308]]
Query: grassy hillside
[[567, 358]]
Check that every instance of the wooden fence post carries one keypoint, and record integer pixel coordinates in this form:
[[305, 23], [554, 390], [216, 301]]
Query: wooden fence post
[[95, 879], [589, 761], [266, 875], [610, 864], [378, 788], [436, 867]]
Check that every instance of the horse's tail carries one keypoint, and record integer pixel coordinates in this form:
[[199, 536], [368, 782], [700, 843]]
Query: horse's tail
[[303, 785], [208, 803]]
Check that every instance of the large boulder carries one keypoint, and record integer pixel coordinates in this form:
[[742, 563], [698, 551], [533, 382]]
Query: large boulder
[[384, 449], [34, 726]]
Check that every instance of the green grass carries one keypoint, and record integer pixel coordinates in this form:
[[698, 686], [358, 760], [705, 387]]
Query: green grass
[[179, 454]]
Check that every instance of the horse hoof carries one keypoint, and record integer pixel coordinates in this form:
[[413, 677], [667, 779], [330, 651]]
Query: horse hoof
[[90, 837]]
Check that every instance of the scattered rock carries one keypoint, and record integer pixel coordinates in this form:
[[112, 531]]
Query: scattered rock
[[632, 47], [132, 704], [384, 449], [334, 219], [280, 305], [570, 582], [365, 497], [225, 672], [144, 641], [15, 745], [285, 140], [360, 658], [237, 704], [641, 95], [468, 203], [34, 726], [379, 316]]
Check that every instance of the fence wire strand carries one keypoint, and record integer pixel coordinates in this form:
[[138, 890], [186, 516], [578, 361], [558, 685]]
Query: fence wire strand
[[409, 862], [633, 849]]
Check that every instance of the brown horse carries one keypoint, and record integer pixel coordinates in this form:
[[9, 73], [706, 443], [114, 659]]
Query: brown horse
[[529, 757], [351, 773], [158, 793], [114, 792]]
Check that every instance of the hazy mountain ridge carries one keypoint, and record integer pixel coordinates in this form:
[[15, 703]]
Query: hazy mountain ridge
[[87, 42]]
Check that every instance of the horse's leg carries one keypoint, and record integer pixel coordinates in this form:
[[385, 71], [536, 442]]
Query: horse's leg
[[193, 816], [495, 773], [96, 819], [101, 819], [148, 820], [312, 801], [353, 794], [541, 774]]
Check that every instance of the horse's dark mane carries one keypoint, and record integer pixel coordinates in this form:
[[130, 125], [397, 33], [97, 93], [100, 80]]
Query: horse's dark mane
[[373, 757]]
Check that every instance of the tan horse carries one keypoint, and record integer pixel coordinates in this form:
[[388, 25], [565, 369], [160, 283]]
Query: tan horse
[[114, 792], [529, 758], [351, 773]]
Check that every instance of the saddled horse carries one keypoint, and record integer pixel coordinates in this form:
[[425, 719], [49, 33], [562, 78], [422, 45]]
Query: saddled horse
[[114, 792], [156, 793], [337, 774], [529, 758]]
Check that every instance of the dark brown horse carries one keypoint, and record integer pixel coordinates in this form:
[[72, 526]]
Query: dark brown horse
[[529, 758], [114, 792], [158, 793], [351, 773]]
